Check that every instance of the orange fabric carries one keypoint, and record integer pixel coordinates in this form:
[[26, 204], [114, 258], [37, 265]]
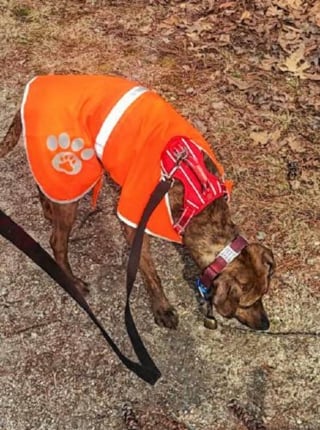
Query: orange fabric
[[61, 106], [63, 114]]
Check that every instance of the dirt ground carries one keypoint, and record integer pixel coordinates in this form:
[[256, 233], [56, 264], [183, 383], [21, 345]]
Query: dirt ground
[[247, 75]]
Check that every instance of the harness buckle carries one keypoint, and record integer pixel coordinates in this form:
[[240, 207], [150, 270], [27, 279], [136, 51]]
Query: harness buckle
[[180, 155]]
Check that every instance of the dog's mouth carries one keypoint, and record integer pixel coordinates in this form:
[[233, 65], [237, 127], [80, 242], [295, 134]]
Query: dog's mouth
[[254, 316], [262, 325]]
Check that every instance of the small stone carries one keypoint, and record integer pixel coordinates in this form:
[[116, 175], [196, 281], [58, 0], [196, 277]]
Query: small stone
[[218, 105], [261, 235], [295, 184]]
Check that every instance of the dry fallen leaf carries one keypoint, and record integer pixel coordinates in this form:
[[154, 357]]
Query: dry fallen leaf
[[224, 39], [263, 137], [291, 4], [289, 38], [169, 22], [227, 5], [275, 136], [259, 137], [239, 83], [274, 11], [245, 15], [218, 105], [268, 63], [295, 184], [296, 63], [315, 14], [312, 76], [199, 27], [295, 145]]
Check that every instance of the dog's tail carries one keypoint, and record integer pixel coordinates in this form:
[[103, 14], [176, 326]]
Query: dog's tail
[[12, 137]]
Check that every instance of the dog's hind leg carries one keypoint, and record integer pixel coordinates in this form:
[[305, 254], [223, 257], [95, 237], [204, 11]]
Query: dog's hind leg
[[164, 314], [46, 206], [63, 217], [12, 136]]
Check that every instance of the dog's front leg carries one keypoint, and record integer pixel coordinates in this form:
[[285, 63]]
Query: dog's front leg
[[164, 314], [63, 217]]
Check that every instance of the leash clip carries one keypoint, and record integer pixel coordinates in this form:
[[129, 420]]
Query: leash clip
[[204, 291]]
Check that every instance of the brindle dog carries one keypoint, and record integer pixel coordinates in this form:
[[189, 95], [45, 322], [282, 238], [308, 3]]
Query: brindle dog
[[237, 291]]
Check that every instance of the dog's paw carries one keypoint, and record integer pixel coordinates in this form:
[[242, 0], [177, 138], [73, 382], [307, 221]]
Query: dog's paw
[[69, 155], [167, 317], [82, 286]]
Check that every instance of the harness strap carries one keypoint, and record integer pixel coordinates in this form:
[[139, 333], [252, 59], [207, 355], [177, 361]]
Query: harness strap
[[183, 161], [184, 219], [146, 369]]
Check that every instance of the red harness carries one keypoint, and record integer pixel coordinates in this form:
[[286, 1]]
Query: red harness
[[182, 160]]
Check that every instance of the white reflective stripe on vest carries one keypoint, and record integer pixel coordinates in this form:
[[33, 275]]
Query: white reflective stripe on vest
[[114, 116]]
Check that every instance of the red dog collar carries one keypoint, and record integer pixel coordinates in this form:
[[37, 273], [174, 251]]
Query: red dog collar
[[228, 254], [183, 160]]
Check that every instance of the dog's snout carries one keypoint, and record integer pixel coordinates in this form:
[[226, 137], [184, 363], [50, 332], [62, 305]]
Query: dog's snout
[[254, 316], [265, 324]]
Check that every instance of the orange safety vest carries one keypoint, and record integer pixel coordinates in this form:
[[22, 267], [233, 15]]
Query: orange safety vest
[[75, 127]]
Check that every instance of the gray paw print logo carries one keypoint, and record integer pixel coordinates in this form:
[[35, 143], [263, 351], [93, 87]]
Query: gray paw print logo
[[69, 154]]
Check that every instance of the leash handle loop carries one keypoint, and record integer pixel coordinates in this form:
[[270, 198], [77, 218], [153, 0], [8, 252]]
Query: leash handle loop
[[15, 234]]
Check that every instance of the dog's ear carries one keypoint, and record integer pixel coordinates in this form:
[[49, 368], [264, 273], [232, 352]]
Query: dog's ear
[[261, 257], [268, 261], [226, 296]]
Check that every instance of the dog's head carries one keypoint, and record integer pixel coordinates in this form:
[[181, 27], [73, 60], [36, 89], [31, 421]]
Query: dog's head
[[238, 290]]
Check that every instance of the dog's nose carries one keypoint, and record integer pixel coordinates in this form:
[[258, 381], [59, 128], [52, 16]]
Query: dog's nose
[[265, 324]]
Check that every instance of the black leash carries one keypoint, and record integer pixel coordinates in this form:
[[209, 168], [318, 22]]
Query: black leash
[[161, 189], [146, 368]]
